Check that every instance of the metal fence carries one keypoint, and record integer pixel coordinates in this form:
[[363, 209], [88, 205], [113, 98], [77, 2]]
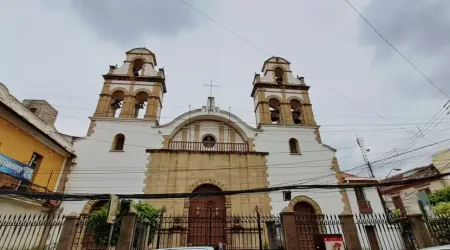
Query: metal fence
[[311, 228], [231, 232], [378, 231], [30, 231], [94, 234], [439, 227]]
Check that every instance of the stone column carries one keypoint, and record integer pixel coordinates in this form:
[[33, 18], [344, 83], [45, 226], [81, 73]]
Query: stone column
[[68, 232], [290, 230], [126, 231], [151, 113], [103, 106], [419, 228], [128, 107], [350, 232]]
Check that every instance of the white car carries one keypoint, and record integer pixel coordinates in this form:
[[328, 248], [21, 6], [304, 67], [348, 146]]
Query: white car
[[188, 248], [446, 247]]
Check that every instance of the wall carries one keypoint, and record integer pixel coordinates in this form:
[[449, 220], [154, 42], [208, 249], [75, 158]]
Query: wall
[[20, 206], [284, 168], [176, 172], [100, 170], [20, 145]]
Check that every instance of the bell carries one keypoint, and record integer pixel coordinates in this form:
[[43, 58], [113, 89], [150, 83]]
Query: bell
[[274, 116], [140, 105], [135, 72], [279, 80], [296, 117], [116, 105]]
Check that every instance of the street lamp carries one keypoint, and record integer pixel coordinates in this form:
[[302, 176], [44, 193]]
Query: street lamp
[[396, 169]]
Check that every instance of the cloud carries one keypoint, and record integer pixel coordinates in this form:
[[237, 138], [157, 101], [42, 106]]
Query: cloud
[[419, 29], [127, 23]]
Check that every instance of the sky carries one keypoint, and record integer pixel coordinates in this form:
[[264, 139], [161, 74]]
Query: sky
[[360, 86]]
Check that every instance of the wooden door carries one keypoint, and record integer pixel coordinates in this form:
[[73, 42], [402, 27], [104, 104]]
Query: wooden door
[[307, 226], [207, 218], [372, 237]]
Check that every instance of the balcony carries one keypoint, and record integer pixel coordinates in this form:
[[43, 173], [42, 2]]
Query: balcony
[[216, 147], [364, 207], [11, 183]]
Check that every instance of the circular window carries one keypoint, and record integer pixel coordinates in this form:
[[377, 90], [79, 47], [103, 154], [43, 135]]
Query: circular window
[[209, 141]]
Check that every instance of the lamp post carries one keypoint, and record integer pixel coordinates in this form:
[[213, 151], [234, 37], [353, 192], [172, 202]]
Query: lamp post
[[396, 169]]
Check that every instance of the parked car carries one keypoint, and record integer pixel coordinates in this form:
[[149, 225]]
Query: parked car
[[188, 248], [446, 247]]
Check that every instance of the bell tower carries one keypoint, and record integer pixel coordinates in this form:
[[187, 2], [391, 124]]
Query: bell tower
[[134, 90], [279, 97]]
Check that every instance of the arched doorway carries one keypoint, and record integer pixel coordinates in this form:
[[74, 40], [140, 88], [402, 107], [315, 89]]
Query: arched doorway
[[88, 238], [307, 224], [207, 218]]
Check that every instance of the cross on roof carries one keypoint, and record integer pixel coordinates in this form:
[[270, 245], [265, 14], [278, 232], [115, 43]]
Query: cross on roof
[[211, 87]]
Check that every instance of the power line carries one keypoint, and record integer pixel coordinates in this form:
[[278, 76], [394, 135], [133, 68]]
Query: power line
[[65, 196], [395, 49]]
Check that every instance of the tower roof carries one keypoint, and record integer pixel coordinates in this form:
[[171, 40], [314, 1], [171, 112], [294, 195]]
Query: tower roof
[[142, 51], [275, 59]]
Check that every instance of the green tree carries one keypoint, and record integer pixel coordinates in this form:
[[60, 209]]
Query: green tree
[[441, 195], [442, 208], [100, 229]]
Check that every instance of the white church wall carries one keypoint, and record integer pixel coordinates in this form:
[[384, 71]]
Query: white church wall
[[294, 93], [148, 70], [286, 169], [99, 170], [274, 93], [115, 86], [122, 70]]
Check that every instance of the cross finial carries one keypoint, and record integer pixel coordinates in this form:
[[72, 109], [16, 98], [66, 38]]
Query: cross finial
[[211, 87]]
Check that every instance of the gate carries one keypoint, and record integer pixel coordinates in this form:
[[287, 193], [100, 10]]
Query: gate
[[439, 227], [232, 232], [310, 227], [379, 232]]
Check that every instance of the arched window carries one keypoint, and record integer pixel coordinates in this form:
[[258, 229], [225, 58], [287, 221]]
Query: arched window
[[274, 108], [295, 110], [209, 141], [293, 146], [137, 67], [141, 103], [117, 102], [279, 75], [118, 143]]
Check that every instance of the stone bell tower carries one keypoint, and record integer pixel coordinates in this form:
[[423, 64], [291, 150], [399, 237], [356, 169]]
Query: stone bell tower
[[134, 90], [279, 97]]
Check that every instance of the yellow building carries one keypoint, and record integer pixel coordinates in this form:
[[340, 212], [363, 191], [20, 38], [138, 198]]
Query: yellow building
[[34, 156]]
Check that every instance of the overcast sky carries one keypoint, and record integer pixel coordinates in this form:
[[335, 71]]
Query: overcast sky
[[58, 51]]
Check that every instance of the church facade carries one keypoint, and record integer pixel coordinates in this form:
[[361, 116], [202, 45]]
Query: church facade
[[128, 151]]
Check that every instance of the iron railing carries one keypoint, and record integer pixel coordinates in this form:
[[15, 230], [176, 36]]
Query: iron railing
[[231, 232], [30, 231], [217, 147], [8, 182], [378, 231], [439, 227], [94, 234], [311, 227]]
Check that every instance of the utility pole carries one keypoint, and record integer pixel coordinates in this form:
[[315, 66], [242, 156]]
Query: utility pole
[[360, 142]]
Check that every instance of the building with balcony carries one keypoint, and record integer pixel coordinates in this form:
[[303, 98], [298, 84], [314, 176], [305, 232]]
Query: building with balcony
[[404, 198], [128, 151], [33, 155]]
